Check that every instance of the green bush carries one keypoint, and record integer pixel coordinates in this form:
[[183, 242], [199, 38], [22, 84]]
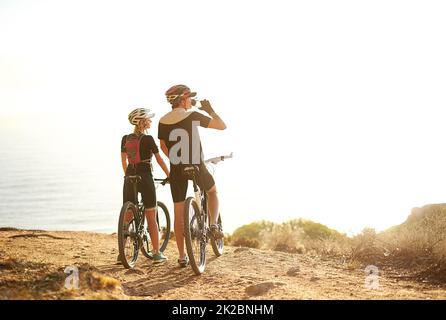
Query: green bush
[[252, 230], [246, 242], [295, 236], [313, 230]]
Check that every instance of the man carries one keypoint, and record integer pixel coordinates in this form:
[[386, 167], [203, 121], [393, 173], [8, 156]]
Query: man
[[180, 141]]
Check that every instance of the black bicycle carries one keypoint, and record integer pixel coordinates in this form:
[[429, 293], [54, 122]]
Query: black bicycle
[[133, 233], [197, 231]]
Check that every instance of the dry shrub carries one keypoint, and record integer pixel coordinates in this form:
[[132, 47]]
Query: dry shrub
[[246, 242], [366, 248], [294, 236], [228, 238], [419, 244], [440, 250], [331, 246], [8, 264], [421, 238], [283, 238], [98, 281], [299, 236]]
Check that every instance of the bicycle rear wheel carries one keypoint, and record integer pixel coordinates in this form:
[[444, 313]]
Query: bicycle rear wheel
[[194, 236], [163, 221], [127, 235], [218, 245]]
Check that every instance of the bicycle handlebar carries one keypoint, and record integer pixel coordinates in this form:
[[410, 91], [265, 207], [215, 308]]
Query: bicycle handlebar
[[211, 160], [218, 159]]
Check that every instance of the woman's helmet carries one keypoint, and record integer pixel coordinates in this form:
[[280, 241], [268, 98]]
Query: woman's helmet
[[175, 93], [138, 114]]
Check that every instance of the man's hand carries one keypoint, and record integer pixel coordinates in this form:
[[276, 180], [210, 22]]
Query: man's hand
[[216, 122], [206, 106]]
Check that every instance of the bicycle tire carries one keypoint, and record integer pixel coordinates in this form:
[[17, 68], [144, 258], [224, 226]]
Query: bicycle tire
[[163, 228], [166, 232], [123, 237], [218, 245], [193, 237]]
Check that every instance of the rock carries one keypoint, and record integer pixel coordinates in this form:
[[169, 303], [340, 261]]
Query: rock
[[314, 278], [293, 271], [134, 271], [262, 288], [241, 249]]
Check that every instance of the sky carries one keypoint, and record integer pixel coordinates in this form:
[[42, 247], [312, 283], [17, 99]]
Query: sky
[[335, 109]]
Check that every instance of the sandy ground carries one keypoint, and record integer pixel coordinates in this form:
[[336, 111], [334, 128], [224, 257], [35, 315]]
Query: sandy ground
[[32, 265]]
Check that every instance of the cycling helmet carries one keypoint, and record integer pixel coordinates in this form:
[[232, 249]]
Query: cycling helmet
[[138, 114], [176, 92]]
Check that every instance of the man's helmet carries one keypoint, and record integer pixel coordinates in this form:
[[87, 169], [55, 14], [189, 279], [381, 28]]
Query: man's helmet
[[138, 114], [175, 93]]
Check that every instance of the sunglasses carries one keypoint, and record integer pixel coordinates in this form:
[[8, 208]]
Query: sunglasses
[[174, 96]]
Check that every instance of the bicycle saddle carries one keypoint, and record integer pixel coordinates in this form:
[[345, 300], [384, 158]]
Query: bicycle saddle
[[189, 171]]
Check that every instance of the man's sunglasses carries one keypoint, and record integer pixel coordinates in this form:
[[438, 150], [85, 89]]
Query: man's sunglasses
[[175, 96]]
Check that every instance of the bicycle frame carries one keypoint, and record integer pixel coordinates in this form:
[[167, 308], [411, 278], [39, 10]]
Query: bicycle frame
[[202, 200], [197, 218], [135, 230], [139, 218]]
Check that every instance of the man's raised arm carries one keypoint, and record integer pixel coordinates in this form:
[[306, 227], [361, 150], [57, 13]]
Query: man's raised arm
[[216, 122]]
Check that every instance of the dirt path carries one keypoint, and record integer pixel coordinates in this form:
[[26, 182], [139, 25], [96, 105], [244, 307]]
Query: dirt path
[[32, 265]]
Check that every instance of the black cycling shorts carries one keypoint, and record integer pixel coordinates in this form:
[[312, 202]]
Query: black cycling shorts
[[179, 183], [146, 187]]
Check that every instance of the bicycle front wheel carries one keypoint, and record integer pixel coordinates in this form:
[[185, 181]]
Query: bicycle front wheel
[[194, 236], [128, 243], [218, 245]]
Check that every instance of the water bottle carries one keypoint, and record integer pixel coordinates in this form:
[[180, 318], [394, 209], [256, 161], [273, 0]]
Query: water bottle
[[196, 103]]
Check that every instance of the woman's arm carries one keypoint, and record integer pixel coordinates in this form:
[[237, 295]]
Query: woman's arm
[[162, 163], [164, 147], [124, 161]]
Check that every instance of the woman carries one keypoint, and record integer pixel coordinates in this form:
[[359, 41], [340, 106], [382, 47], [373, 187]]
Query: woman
[[137, 149]]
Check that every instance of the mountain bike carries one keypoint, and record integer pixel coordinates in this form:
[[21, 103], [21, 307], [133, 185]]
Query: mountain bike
[[133, 233], [197, 231]]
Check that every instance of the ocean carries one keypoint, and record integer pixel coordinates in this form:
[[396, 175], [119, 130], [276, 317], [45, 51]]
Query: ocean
[[60, 179], [65, 175]]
